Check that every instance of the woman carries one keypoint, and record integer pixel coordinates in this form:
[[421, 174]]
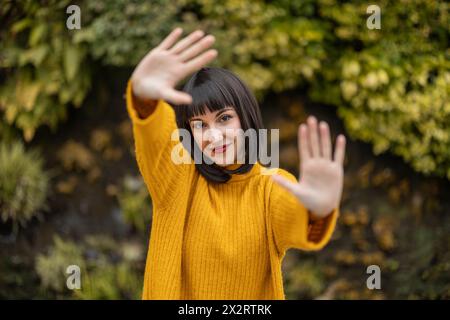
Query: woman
[[220, 230]]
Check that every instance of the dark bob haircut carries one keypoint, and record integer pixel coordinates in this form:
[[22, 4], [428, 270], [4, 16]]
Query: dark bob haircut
[[215, 88]]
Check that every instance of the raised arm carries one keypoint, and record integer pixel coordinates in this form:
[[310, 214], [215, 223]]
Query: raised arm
[[149, 91], [304, 211]]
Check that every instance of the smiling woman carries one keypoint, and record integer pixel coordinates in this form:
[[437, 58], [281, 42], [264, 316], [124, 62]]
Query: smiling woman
[[222, 104], [216, 132]]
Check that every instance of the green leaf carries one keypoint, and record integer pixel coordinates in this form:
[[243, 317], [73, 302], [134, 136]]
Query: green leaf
[[36, 35], [35, 56], [71, 59], [21, 25]]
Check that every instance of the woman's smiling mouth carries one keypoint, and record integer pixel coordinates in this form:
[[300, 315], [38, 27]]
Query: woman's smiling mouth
[[221, 149]]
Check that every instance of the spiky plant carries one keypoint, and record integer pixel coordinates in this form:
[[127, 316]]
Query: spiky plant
[[24, 184]]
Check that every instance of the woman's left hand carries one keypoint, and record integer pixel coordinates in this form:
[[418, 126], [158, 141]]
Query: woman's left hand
[[321, 175]]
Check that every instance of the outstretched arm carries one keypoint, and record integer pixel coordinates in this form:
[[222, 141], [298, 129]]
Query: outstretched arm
[[304, 211], [151, 86]]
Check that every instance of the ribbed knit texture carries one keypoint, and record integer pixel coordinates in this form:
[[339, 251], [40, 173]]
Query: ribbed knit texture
[[215, 241]]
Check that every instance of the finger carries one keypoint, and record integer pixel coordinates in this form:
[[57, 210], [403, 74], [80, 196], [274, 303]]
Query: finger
[[303, 146], [177, 97], [313, 136], [198, 62], [325, 140], [187, 41], [197, 48], [170, 39], [285, 183], [339, 152]]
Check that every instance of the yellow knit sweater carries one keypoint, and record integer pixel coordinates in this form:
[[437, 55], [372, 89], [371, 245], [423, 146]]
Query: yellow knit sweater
[[215, 241]]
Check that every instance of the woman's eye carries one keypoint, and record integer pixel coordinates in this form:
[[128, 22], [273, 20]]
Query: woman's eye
[[197, 125], [226, 117]]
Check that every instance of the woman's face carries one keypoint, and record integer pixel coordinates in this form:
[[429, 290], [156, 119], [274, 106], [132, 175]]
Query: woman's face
[[216, 133]]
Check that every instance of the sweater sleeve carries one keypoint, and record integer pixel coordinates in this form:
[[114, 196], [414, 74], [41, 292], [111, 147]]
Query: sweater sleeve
[[292, 225], [153, 148]]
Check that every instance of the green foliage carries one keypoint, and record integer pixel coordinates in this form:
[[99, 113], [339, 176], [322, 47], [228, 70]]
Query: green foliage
[[45, 69], [406, 114], [51, 268], [427, 274], [304, 281], [272, 46], [108, 269], [392, 85], [8, 133], [23, 183], [112, 273], [121, 32], [135, 203]]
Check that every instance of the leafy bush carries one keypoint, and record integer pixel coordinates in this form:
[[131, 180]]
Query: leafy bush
[[108, 270], [51, 268], [44, 68], [274, 45], [304, 281], [23, 184], [135, 203], [392, 85]]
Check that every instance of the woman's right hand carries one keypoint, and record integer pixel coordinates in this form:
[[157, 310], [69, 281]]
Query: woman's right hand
[[157, 74]]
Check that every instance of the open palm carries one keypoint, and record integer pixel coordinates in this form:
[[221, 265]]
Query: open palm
[[157, 74], [319, 186]]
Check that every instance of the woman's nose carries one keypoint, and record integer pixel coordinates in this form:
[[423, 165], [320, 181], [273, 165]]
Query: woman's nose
[[212, 135]]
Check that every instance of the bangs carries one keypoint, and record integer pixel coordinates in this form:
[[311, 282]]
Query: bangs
[[211, 96]]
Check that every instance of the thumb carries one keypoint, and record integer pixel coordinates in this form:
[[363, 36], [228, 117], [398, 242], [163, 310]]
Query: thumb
[[177, 97]]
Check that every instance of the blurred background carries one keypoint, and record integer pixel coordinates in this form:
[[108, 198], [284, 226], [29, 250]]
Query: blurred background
[[70, 190]]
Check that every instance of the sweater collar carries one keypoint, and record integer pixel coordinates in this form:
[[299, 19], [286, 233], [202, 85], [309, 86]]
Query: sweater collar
[[255, 170]]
